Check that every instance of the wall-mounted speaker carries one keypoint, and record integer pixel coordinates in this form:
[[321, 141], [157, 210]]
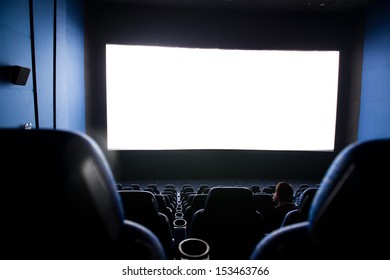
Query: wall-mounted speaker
[[19, 75]]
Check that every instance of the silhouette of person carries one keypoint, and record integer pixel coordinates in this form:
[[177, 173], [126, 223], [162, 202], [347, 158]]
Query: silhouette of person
[[283, 199]]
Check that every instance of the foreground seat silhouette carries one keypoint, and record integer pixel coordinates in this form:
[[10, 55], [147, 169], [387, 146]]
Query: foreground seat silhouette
[[343, 222], [229, 223], [59, 201]]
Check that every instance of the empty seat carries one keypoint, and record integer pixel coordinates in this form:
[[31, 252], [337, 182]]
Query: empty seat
[[186, 189], [299, 191], [59, 200], [187, 200], [265, 206], [268, 190], [154, 188], [141, 207], [170, 200], [338, 226], [229, 223], [170, 187], [300, 214], [255, 188], [198, 203], [202, 188], [135, 187], [207, 190], [163, 208]]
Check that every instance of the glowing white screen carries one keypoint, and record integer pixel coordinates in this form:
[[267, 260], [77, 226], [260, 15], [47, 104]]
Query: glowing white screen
[[162, 98]]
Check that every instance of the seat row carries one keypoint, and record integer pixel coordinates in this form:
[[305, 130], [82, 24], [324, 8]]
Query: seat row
[[59, 200], [222, 215]]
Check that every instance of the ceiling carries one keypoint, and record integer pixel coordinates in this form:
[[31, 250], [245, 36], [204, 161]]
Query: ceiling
[[262, 5]]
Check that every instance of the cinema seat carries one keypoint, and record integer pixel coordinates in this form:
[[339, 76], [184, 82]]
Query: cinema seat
[[229, 223], [142, 207], [300, 214], [343, 222], [197, 204], [59, 200]]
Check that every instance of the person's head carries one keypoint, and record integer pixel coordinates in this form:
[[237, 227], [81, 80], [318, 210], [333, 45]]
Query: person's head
[[284, 193]]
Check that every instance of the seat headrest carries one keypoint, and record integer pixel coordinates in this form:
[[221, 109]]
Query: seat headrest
[[255, 189], [305, 200], [141, 204], [58, 190], [231, 199], [199, 199], [263, 199], [342, 211]]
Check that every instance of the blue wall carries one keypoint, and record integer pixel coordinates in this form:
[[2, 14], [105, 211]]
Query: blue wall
[[375, 97], [17, 102], [70, 65], [44, 35]]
